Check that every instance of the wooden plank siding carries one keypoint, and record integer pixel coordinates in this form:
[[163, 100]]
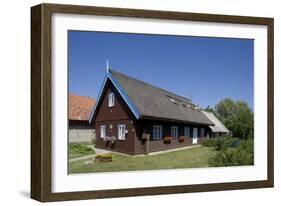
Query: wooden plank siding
[[111, 117], [146, 126], [119, 114], [79, 124]]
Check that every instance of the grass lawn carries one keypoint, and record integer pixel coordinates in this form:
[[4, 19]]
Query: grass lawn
[[79, 150], [187, 158]]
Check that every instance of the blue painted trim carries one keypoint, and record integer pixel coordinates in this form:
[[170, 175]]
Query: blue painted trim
[[124, 96], [121, 92]]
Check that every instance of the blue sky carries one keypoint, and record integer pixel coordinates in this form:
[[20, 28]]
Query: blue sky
[[206, 70]]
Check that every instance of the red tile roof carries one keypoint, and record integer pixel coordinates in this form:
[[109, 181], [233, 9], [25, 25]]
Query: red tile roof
[[80, 107]]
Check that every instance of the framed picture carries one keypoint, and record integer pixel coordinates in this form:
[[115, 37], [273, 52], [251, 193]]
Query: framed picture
[[132, 102]]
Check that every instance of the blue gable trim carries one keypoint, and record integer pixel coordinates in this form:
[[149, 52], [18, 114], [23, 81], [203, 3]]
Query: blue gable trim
[[124, 95], [121, 92]]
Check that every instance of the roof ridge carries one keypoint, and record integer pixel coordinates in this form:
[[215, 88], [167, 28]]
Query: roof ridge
[[79, 107], [147, 100], [213, 118], [151, 85]]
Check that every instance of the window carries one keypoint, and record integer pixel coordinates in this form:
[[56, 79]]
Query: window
[[111, 100], [202, 132], [174, 131], [157, 132], [102, 131], [121, 131], [187, 132]]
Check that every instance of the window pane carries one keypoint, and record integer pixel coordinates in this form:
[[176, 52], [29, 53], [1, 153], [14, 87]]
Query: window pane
[[174, 131], [157, 132], [111, 99], [121, 132], [186, 131], [102, 131]]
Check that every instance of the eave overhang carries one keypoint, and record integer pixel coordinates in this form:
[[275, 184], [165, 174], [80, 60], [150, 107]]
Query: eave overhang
[[116, 84]]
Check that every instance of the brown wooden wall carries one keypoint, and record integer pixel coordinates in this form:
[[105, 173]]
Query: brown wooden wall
[[79, 124], [119, 114], [159, 145], [124, 146], [146, 126], [119, 111], [133, 143]]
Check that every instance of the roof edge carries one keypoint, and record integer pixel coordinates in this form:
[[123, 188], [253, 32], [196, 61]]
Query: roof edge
[[121, 91], [226, 130], [174, 120]]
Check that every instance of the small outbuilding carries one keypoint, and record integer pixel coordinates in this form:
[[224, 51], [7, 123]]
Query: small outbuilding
[[79, 110], [218, 129]]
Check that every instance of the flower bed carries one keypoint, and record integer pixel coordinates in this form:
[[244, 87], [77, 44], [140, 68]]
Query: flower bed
[[181, 139], [103, 157], [111, 140], [167, 140]]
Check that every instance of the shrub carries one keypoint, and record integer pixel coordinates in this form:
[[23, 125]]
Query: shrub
[[221, 143], [181, 139], [223, 158], [210, 142], [231, 141], [80, 149], [243, 155], [167, 140], [246, 152], [217, 160]]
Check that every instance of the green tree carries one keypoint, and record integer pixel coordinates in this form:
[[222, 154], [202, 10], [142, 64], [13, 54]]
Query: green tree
[[209, 109], [237, 117]]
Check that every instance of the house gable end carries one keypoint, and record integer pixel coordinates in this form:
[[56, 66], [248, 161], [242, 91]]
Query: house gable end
[[120, 110], [112, 84]]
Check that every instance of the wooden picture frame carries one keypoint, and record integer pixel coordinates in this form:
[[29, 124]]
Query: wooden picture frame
[[41, 101]]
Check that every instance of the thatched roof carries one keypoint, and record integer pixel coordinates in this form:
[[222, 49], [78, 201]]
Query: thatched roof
[[218, 125]]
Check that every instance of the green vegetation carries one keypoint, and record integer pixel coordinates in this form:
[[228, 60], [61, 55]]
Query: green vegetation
[[78, 150], [221, 143], [210, 142], [232, 151], [214, 152], [243, 155], [236, 116], [239, 119], [187, 158]]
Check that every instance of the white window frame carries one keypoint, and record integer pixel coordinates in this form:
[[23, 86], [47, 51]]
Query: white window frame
[[121, 134], [102, 131], [187, 131], [176, 129], [111, 99], [157, 132]]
